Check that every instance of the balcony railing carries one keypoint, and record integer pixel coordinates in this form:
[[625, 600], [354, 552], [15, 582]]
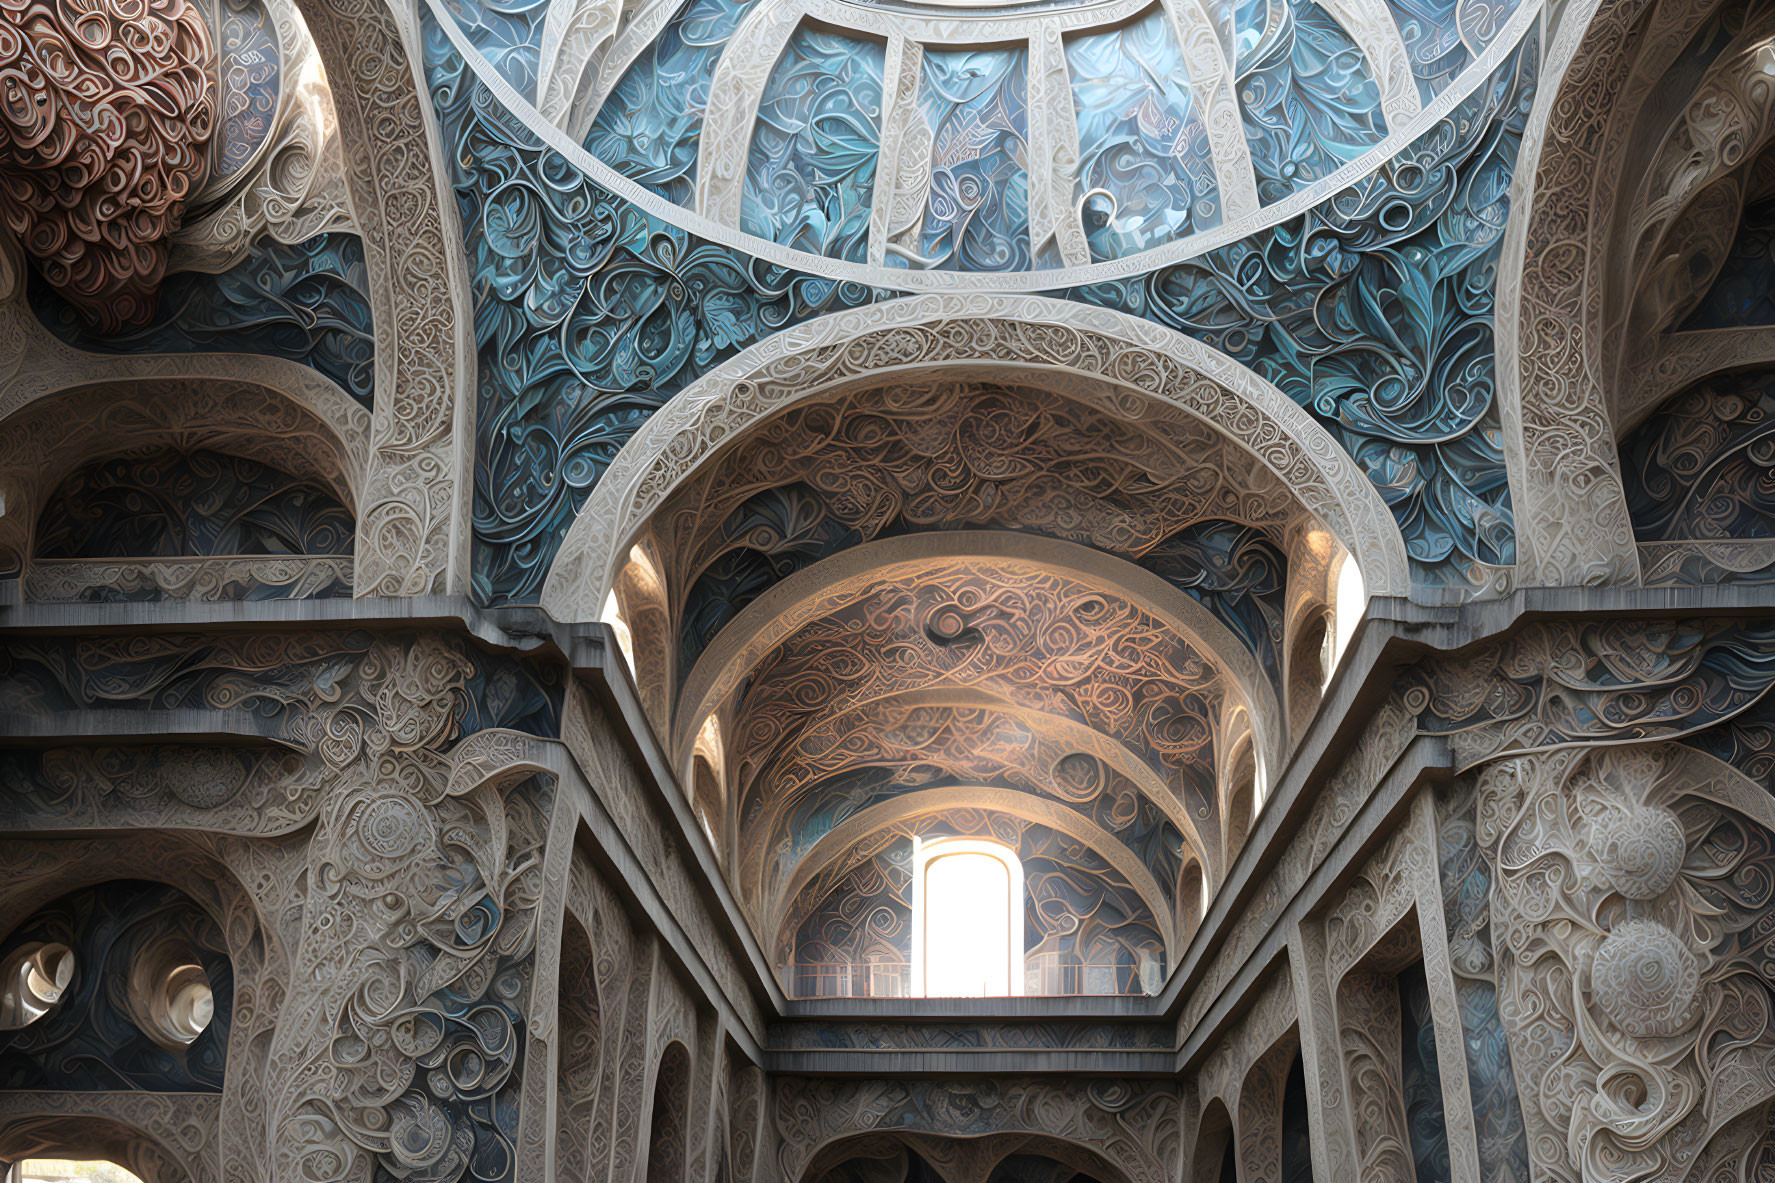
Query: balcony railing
[[1050, 977]]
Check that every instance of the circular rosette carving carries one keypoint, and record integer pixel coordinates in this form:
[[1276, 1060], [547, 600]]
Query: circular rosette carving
[[1645, 980], [105, 108], [380, 838], [1640, 849]]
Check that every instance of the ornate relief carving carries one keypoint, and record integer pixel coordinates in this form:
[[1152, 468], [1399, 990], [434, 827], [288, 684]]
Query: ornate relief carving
[[1118, 357], [893, 747], [1633, 885], [1047, 643], [1131, 1123], [159, 1137], [40, 446], [139, 511], [1166, 491], [218, 790], [411, 510], [1574, 528], [1607, 681], [108, 118]]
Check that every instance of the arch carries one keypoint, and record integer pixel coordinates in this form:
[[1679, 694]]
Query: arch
[[1215, 1148], [983, 1154], [117, 1023], [1126, 362], [668, 1130], [578, 1060], [776, 615], [45, 869], [1270, 1129], [847, 835], [926, 854], [178, 523], [45, 441], [413, 516], [156, 1144], [1240, 806], [1567, 275], [1063, 732]]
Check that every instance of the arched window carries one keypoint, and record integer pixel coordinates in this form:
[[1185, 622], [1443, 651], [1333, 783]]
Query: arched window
[[667, 1147], [1351, 601], [967, 919]]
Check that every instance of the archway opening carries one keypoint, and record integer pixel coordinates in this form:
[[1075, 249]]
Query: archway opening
[[968, 916], [70, 1170], [667, 1142]]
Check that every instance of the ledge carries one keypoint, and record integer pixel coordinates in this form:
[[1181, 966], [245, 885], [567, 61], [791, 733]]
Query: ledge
[[1393, 634]]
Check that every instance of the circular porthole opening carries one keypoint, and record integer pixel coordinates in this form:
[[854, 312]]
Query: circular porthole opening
[[170, 995], [33, 978]]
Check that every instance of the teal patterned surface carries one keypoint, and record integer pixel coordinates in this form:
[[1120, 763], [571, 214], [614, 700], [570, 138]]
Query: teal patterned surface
[[1308, 95], [1146, 172], [649, 127], [810, 176]]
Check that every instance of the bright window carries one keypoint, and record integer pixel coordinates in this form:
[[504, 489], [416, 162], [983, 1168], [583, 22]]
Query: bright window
[[1352, 600], [968, 920], [62, 1170]]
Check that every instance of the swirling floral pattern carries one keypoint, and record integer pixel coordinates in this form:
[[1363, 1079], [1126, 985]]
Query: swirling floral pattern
[[106, 110], [1078, 912], [1466, 905], [1432, 33], [880, 752], [811, 173], [1309, 99], [1165, 492], [1374, 312], [174, 504], [1742, 293], [1146, 172], [589, 315], [1040, 641], [649, 126], [976, 214], [251, 84], [308, 302], [1701, 469], [508, 33]]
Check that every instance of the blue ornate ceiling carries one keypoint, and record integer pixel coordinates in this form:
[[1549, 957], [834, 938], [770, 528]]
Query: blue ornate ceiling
[[795, 120], [1335, 229]]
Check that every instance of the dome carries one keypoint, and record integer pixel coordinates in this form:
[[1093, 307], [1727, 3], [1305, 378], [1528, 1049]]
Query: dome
[[968, 143]]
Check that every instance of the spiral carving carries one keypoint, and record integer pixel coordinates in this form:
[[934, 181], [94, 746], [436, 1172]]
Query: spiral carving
[[1645, 979], [106, 109]]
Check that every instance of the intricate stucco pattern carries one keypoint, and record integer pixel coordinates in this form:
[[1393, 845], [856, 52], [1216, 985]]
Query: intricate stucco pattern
[[307, 302], [413, 502], [1126, 364], [1561, 684], [1037, 640], [592, 312], [422, 873], [108, 112], [1165, 491], [1132, 1124], [1384, 333], [1636, 993]]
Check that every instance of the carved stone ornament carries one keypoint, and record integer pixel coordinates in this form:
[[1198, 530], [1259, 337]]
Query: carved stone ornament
[[106, 110]]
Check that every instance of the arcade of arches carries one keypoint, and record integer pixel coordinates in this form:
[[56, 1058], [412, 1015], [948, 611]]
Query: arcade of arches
[[887, 591]]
